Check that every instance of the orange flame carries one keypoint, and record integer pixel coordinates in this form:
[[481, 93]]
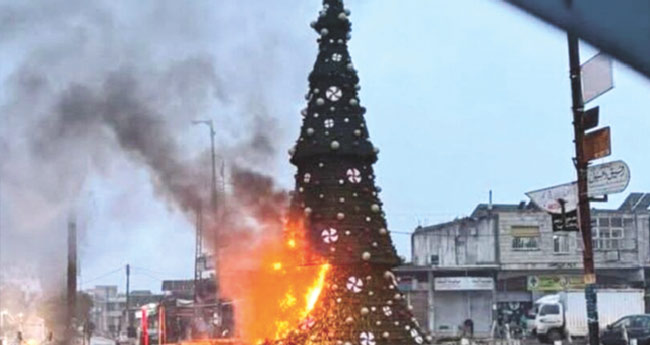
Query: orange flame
[[272, 289]]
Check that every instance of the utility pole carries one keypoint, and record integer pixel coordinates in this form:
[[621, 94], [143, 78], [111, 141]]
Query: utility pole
[[129, 320], [584, 213], [214, 205], [72, 278], [199, 250]]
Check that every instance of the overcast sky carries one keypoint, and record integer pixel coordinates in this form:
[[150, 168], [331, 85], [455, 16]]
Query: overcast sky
[[463, 97]]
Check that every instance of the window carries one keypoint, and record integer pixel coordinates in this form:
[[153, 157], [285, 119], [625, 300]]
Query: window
[[550, 309], [608, 232], [560, 244], [525, 237], [622, 322], [525, 243]]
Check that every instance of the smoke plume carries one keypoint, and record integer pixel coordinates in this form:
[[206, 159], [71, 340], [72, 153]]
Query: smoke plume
[[87, 85]]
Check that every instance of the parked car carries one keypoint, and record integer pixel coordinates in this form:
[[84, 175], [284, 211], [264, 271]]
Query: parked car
[[636, 326]]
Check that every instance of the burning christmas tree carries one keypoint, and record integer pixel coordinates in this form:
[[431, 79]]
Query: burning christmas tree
[[340, 208]]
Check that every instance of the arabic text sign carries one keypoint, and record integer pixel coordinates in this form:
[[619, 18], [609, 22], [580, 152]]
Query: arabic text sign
[[565, 222], [608, 178], [555, 282], [596, 77], [602, 179], [463, 283]]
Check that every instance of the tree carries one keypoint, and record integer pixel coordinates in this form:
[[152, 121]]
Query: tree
[[340, 206]]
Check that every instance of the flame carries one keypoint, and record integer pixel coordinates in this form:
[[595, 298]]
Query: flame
[[315, 290], [273, 291]]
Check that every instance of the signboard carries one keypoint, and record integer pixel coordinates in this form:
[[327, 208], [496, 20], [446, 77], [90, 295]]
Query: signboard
[[463, 283], [597, 77], [597, 144], [602, 179], [565, 222], [555, 282], [548, 199], [608, 178]]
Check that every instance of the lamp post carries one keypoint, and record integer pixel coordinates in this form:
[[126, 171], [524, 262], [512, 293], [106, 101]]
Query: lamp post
[[210, 125]]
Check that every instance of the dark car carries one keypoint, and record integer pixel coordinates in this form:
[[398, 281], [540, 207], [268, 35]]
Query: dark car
[[636, 326]]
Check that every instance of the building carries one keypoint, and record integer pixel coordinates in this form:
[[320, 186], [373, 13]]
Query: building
[[491, 266], [109, 308]]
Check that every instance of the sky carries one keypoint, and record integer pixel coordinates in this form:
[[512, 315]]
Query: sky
[[463, 97]]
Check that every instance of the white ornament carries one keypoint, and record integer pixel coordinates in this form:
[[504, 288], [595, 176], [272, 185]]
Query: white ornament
[[307, 177], [364, 311], [354, 284], [333, 93], [336, 57], [375, 208], [340, 216], [365, 256], [357, 132], [307, 211], [320, 101], [330, 235], [354, 175], [385, 335], [335, 145], [354, 102], [349, 319], [387, 311], [328, 123], [383, 231], [367, 338], [310, 131], [324, 32], [414, 332], [342, 16]]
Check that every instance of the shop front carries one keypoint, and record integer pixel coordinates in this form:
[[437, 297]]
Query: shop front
[[462, 301]]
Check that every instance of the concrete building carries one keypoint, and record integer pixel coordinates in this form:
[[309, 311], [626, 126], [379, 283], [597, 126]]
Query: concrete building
[[492, 265], [109, 308]]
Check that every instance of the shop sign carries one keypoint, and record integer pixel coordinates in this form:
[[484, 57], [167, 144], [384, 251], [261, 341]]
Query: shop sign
[[555, 282], [463, 283]]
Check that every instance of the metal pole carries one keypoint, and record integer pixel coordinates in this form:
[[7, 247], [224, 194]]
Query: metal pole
[[129, 324], [72, 278], [584, 214], [214, 168]]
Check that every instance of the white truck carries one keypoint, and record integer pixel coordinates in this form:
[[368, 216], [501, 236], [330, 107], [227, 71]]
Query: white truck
[[565, 314]]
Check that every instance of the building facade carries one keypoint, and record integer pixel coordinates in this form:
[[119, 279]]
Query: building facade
[[109, 308], [492, 265]]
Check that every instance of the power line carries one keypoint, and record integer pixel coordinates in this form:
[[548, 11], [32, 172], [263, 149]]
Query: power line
[[101, 276]]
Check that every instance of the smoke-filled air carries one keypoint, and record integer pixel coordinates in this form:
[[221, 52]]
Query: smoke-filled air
[[107, 91]]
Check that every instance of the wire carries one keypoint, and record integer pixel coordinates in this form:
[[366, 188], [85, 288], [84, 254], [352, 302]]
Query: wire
[[101, 276]]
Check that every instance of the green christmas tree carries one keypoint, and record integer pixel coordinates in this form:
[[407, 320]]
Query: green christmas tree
[[337, 197]]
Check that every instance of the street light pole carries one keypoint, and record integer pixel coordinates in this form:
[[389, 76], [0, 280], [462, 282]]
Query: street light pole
[[210, 125], [214, 205], [584, 212]]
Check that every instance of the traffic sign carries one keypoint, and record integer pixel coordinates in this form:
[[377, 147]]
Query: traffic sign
[[597, 144], [608, 178]]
